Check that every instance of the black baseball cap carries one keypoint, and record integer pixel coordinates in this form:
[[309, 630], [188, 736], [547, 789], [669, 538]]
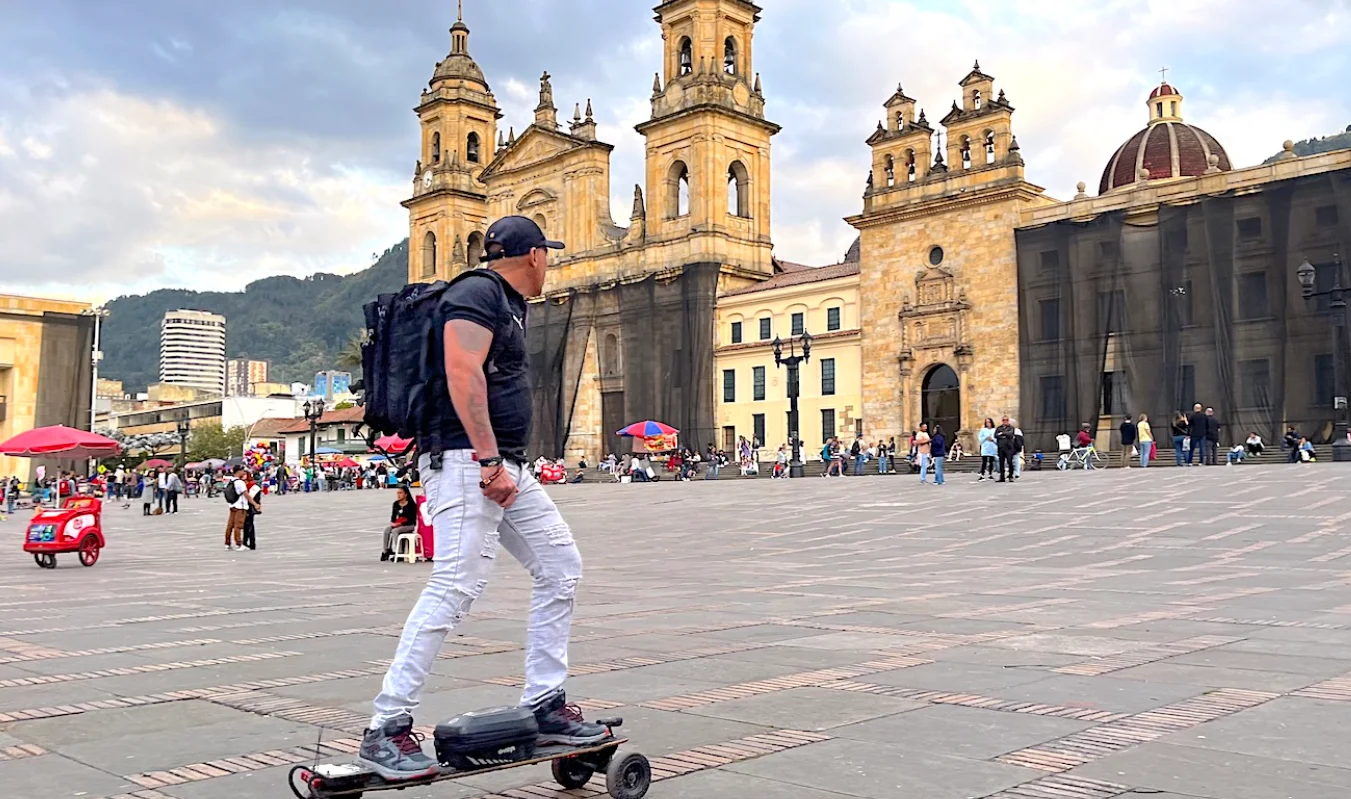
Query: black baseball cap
[[513, 236]]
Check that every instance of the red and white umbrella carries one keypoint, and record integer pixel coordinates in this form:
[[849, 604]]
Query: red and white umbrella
[[394, 444]]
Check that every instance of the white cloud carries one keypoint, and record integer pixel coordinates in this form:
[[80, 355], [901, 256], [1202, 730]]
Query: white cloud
[[36, 149], [153, 194]]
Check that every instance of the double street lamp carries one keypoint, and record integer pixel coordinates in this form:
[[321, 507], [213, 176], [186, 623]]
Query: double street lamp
[[313, 410], [793, 361], [1337, 295], [183, 426]]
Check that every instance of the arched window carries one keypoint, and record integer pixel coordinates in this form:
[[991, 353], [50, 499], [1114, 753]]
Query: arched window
[[686, 56], [609, 356], [471, 148], [542, 222], [475, 249], [966, 152], [436, 148], [1172, 108], [738, 190], [910, 165], [429, 254], [1159, 107], [891, 171], [900, 120], [989, 147], [678, 190], [975, 99], [729, 56]]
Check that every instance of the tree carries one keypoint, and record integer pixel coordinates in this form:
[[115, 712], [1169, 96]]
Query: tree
[[350, 355], [344, 405], [150, 445], [210, 440]]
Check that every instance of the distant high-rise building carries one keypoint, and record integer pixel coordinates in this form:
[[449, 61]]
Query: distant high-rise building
[[242, 374], [192, 350], [330, 383]]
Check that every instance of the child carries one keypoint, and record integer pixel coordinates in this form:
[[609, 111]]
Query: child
[[147, 499]]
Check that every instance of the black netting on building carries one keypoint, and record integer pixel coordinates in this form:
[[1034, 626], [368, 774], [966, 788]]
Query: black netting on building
[[1199, 304], [654, 341]]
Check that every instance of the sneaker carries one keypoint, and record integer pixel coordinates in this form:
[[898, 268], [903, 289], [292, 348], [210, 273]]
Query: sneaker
[[561, 723], [395, 751]]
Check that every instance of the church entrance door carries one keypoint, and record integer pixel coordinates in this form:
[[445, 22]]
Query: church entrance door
[[941, 400]]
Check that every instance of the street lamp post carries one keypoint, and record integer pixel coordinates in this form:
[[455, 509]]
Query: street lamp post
[[184, 429], [793, 361], [314, 410], [1307, 274]]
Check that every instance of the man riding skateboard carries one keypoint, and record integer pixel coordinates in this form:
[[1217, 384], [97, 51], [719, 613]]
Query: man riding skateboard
[[480, 493]]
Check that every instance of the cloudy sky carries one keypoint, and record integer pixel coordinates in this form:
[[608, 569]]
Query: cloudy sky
[[151, 143]]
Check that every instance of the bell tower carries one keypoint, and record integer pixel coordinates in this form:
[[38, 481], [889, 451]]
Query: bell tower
[[708, 142], [448, 209]]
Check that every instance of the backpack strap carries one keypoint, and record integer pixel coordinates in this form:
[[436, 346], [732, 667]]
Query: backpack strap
[[503, 311]]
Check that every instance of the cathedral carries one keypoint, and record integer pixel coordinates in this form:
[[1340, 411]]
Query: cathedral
[[626, 329], [969, 293]]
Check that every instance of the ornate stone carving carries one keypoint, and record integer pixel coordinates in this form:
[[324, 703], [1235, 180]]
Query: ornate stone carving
[[937, 319]]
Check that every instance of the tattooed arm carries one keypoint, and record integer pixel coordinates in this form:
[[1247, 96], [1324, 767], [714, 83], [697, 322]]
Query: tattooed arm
[[466, 346]]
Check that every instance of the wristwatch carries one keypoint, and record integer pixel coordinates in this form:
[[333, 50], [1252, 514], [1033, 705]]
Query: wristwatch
[[496, 460]]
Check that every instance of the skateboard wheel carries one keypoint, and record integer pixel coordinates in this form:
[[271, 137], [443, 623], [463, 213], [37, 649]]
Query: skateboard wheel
[[629, 777], [571, 773]]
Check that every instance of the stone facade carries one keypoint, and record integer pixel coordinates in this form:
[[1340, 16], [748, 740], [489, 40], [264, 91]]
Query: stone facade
[[939, 260]]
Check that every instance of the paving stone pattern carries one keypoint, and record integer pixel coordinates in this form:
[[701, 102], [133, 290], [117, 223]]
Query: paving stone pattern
[[1181, 632]]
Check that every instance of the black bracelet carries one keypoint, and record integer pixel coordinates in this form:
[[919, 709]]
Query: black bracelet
[[496, 460]]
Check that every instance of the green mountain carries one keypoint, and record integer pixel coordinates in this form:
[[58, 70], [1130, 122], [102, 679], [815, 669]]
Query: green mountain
[[1325, 144], [299, 325]]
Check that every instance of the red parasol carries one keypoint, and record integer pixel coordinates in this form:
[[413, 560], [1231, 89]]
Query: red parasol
[[156, 463], [393, 444], [62, 441], [347, 463]]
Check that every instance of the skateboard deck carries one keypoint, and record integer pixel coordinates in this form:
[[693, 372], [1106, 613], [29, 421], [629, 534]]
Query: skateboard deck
[[573, 766]]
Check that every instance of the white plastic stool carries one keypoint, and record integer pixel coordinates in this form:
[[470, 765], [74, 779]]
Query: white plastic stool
[[412, 552]]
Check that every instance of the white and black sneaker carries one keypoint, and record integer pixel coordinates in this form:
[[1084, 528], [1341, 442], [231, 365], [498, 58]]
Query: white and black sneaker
[[562, 723]]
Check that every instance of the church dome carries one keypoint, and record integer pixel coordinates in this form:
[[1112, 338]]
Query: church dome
[[1166, 148], [458, 65]]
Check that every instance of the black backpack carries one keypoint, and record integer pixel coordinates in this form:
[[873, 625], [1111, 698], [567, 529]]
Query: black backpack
[[402, 377], [231, 493]]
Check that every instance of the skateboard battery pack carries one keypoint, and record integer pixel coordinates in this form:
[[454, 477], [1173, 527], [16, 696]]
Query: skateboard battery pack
[[486, 738]]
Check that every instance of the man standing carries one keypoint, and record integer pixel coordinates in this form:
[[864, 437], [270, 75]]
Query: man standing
[[234, 525], [479, 492], [1128, 431], [1197, 427], [923, 445], [1004, 439], [173, 486]]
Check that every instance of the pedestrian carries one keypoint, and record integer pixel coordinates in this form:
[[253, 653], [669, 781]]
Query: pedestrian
[[1146, 435], [161, 488], [1128, 435], [173, 486], [1017, 450], [923, 445], [1003, 436], [1198, 427], [402, 520], [148, 496], [938, 452], [253, 492], [1212, 449], [1182, 442], [236, 494], [479, 434], [988, 450]]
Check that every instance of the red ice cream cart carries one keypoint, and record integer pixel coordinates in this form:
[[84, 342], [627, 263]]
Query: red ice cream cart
[[77, 526]]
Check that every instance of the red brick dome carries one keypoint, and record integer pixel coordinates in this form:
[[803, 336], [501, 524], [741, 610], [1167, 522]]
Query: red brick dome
[[1167, 148]]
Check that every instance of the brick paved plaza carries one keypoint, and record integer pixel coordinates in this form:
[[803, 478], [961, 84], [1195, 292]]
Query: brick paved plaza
[[1181, 633]]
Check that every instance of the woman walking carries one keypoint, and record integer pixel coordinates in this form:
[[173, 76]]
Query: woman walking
[[988, 450], [1146, 436], [938, 446], [402, 520]]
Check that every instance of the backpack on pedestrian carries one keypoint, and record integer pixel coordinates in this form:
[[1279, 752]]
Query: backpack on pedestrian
[[231, 493], [401, 374]]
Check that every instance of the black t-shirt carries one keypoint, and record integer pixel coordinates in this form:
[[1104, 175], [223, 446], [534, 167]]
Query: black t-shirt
[[479, 300]]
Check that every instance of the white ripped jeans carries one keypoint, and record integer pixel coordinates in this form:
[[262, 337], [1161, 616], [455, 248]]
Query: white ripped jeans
[[468, 527]]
